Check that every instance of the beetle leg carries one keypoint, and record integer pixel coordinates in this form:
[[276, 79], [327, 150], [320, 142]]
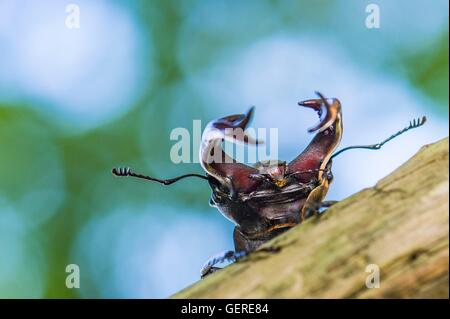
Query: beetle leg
[[328, 203], [314, 201], [230, 256], [209, 271], [313, 205]]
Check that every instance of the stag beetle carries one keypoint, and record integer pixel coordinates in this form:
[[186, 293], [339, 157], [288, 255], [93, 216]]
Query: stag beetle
[[271, 197]]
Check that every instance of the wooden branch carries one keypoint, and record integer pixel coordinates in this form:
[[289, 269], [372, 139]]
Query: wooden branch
[[401, 225]]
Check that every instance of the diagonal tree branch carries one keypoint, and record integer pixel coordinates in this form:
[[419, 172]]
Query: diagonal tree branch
[[400, 225]]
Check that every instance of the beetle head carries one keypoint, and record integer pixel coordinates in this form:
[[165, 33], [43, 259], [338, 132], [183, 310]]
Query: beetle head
[[273, 171]]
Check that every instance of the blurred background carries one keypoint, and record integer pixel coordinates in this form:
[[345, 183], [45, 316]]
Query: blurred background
[[76, 101]]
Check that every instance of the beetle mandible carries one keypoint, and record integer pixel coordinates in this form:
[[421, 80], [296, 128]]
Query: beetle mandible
[[271, 197]]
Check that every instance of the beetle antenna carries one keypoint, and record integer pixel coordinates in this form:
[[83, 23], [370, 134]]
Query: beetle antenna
[[126, 171], [412, 124]]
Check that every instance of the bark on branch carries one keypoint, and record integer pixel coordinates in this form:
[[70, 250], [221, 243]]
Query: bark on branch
[[401, 225]]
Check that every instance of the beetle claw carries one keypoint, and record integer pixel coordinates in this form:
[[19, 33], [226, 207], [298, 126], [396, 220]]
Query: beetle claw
[[327, 109], [233, 128], [213, 158]]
